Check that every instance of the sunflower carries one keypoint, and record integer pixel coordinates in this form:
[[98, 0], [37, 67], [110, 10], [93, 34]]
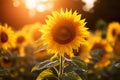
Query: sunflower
[[34, 32], [64, 31], [83, 52], [34, 35], [7, 38], [106, 53], [22, 38], [113, 30]]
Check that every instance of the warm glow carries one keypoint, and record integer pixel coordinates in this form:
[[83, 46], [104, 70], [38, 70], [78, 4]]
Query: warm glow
[[16, 3], [88, 4], [35, 5], [30, 4], [41, 8]]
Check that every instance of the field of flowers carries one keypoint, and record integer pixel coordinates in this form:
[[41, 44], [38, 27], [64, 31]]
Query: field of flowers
[[59, 40], [61, 49]]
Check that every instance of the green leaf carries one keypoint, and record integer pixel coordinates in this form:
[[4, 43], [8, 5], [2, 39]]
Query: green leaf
[[97, 54], [44, 65], [71, 76], [44, 74], [76, 64], [79, 63], [116, 64]]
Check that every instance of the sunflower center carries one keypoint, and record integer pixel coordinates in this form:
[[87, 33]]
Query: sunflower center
[[99, 48], [113, 32], [20, 39], [64, 34], [4, 37]]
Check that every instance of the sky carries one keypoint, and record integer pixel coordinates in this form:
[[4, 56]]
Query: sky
[[17, 13]]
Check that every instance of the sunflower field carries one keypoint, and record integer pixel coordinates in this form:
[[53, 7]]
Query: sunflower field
[[62, 45]]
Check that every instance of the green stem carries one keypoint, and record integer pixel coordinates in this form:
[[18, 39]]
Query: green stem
[[61, 66]]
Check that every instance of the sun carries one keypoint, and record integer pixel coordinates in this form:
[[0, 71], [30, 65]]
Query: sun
[[64, 31], [7, 38]]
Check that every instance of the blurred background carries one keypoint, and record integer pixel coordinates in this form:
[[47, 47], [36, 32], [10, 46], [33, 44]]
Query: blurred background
[[25, 48], [17, 13]]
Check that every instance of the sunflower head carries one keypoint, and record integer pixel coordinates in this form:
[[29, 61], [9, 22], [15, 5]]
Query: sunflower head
[[34, 32], [22, 37], [7, 38], [64, 31], [113, 30], [104, 51]]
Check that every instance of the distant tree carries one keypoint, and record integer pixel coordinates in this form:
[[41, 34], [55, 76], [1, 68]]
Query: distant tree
[[108, 10]]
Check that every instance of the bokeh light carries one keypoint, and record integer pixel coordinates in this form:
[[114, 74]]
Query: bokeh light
[[35, 5], [88, 4]]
